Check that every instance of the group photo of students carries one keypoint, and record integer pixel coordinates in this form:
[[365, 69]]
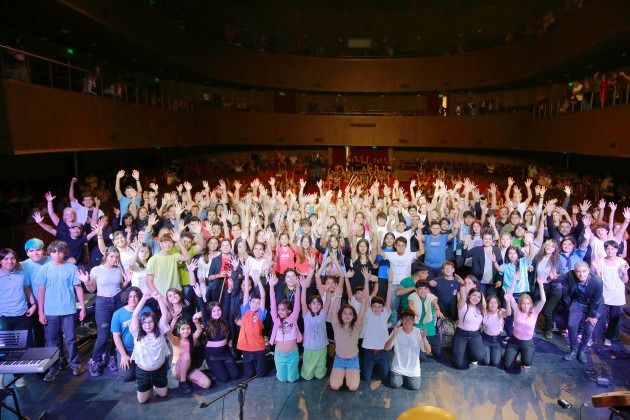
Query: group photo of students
[[360, 282]]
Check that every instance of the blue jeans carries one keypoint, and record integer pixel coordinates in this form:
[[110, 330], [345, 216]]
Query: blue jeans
[[577, 318], [65, 323], [393, 318], [373, 358], [465, 344], [129, 374], [104, 310]]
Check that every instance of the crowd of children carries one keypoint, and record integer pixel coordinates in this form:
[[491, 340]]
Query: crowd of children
[[359, 281]]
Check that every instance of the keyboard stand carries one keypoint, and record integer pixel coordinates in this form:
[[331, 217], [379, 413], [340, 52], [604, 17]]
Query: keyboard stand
[[9, 391]]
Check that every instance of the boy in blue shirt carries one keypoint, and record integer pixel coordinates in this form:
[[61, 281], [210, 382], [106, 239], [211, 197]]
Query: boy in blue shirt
[[122, 336], [58, 283]]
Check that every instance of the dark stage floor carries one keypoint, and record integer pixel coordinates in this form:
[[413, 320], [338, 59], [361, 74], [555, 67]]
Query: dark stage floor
[[477, 393]]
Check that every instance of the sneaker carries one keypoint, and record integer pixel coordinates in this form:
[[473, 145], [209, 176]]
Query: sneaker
[[112, 365], [94, 368], [570, 356], [78, 370], [185, 387], [607, 342], [63, 364], [20, 383], [590, 343], [581, 356], [51, 375], [475, 363], [548, 335]]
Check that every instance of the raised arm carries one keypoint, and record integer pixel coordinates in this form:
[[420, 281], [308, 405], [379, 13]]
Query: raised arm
[[71, 196], [119, 175], [40, 222], [553, 275], [49, 206]]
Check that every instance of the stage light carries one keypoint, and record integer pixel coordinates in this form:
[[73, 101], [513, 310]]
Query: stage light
[[570, 84], [69, 51]]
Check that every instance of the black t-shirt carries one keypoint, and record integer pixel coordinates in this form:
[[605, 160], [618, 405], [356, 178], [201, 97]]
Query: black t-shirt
[[446, 292], [75, 246]]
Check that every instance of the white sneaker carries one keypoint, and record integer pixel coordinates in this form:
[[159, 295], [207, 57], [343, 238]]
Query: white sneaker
[[20, 383], [607, 342]]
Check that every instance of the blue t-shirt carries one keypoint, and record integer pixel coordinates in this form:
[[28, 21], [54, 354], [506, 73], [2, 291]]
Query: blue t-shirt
[[124, 203], [435, 250], [120, 324], [13, 302], [59, 281], [383, 264], [262, 313], [30, 270]]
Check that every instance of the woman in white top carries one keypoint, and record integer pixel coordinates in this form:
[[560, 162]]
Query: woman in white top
[[107, 280], [150, 349], [138, 268], [614, 273]]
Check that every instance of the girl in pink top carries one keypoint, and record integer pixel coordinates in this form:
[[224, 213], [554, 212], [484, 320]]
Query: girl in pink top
[[285, 255], [467, 339], [525, 316], [492, 326], [285, 334]]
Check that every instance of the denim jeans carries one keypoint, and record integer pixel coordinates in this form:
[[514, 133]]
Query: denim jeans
[[608, 322], [493, 350], [465, 344], [515, 346], [65, 323], [553, 291], [373, 358], [435, 341], [577, 319], [104, 310], [129, 374], [393, 319], [410, 382]]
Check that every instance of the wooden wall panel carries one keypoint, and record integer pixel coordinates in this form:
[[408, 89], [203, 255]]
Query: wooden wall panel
[[42, 120]]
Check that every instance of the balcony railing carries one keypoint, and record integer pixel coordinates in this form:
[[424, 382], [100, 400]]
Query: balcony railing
[[27, 67]]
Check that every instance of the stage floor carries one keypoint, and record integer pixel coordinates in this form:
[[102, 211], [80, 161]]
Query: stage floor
[[478, 393]]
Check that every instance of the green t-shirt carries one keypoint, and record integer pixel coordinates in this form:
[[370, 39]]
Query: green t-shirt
[[182, 269], [164, 271], [404, 283]]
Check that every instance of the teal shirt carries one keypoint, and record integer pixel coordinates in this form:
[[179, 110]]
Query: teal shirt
[[59, 282]]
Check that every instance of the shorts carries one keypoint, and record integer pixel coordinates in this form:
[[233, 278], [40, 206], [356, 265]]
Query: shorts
[[341, 363], [147, 379], [314, 363]]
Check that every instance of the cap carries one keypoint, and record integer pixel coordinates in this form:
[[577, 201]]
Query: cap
[[77, 224], [33, 243]]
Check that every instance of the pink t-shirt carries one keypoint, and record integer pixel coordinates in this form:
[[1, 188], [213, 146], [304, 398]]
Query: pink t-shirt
[[524, 324], [469, 318], [493, 324]]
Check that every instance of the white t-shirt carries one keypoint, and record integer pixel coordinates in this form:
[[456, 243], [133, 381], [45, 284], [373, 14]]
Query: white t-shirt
[[407, 347], [150, 352], [614, 290], [375, 329], [82, 212], [400, 265]]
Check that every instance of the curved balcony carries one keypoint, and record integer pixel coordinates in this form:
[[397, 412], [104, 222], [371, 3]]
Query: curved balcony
[[40, 119], [579, 34]]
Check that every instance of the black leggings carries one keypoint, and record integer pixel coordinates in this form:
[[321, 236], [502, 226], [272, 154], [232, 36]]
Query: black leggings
[[221, 363]]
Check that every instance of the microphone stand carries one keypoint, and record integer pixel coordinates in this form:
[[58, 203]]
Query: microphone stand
[[241, 387]]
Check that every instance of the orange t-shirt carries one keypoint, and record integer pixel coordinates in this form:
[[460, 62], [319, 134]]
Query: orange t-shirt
[[251, 338]]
